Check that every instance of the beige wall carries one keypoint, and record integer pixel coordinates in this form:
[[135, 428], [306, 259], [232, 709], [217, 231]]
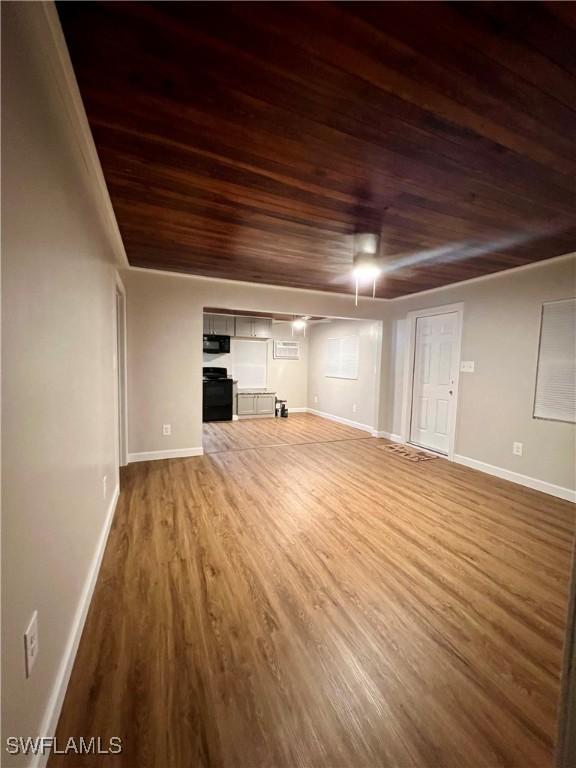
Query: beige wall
[[338, 397], [58, 420], [500, 334], [165, 347], [288, 378]]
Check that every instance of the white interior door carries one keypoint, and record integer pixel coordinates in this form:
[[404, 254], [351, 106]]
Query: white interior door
[[435, 371]]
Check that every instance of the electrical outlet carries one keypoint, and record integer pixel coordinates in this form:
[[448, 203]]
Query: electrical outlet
[[315, 398], [167, 429], [467, 366], [517, 449], [31, 644], [105, 486], [354, 408]]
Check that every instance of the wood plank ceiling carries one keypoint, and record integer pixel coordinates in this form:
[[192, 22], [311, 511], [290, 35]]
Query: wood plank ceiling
[[249, 140]]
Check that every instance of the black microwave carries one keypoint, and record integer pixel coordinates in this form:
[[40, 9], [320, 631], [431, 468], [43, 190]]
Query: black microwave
[[216, 345]]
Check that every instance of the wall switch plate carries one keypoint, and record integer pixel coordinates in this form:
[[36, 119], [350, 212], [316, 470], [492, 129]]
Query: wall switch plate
[[517, 449], [166, 429], [104, 486], [467, 366], [31, 644]]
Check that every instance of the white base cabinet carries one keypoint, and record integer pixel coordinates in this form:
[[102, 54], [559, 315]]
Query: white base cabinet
[[256, 404]]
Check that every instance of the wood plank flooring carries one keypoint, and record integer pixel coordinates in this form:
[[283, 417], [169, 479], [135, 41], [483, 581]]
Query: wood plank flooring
[[325, 605], [298, 428]]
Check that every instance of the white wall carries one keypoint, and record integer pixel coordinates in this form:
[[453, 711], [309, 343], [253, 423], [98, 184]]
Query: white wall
[[500, 334], [59, 434], [338, 397], [164, 314]]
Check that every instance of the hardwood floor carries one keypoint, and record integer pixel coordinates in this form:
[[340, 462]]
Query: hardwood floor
[[324, 605], [298, 428]]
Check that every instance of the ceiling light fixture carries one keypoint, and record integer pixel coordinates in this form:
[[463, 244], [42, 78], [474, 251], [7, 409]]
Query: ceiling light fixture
[[299, 324], [366, 267]]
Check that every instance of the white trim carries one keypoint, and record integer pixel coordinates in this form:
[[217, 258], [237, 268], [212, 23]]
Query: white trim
[[378, 373], [54, 50], [388, 435], [516, 477], [490, 276], [408, 378], [341, 420], [297, 410], [54, 706], [368, 300], [121, 372], [174, 453]]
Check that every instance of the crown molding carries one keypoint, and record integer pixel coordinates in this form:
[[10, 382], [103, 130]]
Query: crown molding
[[53, 48], [490, 276]]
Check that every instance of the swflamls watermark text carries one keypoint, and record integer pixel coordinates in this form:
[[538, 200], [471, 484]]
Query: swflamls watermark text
[[42, 745]]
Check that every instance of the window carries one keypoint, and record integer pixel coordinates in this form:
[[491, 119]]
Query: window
[[342, 358], [250, 366], [556, 375]]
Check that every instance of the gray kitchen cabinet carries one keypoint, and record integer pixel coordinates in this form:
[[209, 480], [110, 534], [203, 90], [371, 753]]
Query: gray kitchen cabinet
[[246, 404], [265, 404], [219, 325], [254, 327], [256, 403], [262, 327], [244, 326]]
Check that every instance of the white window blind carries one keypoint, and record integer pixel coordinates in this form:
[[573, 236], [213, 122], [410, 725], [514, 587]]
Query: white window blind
[[250, 365], [556, 375], [342, 358]]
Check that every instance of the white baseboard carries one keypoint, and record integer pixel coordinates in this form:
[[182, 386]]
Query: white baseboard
[[174, 453], [516, 477], [54, 706], [341, 420], [298, 410], [388, 436]]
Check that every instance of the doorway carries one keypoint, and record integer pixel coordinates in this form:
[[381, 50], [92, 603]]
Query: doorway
[[432, 378]]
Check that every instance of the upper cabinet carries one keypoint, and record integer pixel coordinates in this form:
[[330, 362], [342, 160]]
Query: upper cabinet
[[219, 325], [254, 327], [230, 325]]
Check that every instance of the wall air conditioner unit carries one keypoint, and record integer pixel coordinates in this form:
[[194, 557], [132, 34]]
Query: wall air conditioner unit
[[287, 350]]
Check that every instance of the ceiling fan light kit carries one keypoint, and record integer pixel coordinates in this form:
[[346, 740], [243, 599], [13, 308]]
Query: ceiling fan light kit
[[365, 265]]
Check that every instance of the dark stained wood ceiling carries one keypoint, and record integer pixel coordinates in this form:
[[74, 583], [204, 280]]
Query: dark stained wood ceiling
[[250, 140]]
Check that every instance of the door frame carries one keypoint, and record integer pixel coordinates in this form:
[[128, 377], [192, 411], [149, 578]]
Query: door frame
[[120, 359], [409, 362]]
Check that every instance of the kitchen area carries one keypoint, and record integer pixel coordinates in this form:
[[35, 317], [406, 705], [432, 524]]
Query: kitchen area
[[253, 366]]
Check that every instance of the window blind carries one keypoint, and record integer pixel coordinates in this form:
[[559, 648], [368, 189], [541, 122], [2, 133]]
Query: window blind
[[556, 374], [250, 366], [342, 358]]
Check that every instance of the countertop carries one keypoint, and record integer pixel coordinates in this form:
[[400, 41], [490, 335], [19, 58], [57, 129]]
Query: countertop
[[255, 392]]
